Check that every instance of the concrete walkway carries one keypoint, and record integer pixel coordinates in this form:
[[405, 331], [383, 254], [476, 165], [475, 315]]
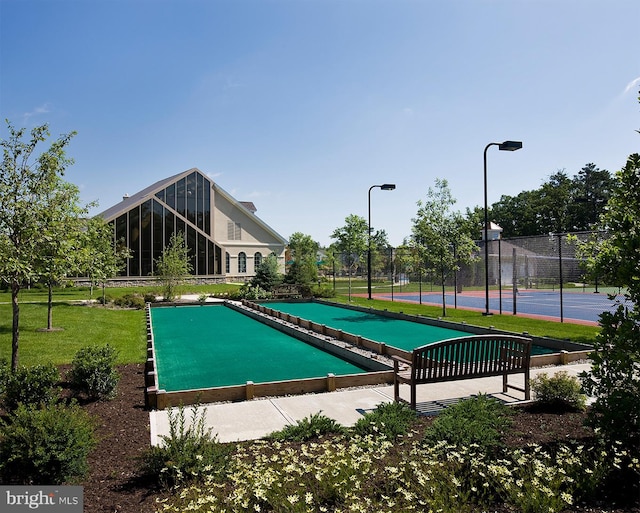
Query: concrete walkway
[[251, 420]]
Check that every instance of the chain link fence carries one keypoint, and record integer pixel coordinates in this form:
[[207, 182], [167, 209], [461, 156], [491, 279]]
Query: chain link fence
[[541, 275]]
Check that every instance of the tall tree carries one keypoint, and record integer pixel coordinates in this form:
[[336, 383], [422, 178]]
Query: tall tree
[[352, 241], [303, 251], [100, 257], [61, 225], [25, 181], [561, 204], [440, 235], [614, 379], [267, 275], [173, 265], [592, 189]]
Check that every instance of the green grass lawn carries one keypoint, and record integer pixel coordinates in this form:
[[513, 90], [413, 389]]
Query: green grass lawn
[[80, 325]]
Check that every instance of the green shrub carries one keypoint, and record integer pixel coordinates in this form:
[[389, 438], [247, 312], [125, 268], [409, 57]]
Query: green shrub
[[31, 386], [388, 419], [251, 292], [93, 372], [480, 420], [45, 446], [188, 454], [310, 427], [613, 378], [130, 301], [4, 375], [149, 297], [559, 391]]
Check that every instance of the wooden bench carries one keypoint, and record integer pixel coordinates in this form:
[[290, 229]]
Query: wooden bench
[[469, 357], [286, 291]]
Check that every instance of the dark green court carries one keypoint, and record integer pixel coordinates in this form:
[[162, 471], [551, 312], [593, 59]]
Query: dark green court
[[213, 346], [398, 333]]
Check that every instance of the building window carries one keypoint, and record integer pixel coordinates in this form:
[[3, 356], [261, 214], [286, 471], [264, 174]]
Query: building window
[[234, 231], [242, 262], [227, 263], [257, 260]]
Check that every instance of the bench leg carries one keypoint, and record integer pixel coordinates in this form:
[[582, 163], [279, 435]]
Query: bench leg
[[396, 390], [413, 396]]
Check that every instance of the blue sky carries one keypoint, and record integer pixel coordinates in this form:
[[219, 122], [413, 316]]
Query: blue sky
[[301, 105]]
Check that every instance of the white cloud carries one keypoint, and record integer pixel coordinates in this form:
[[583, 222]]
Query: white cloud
[[632, 85], [43, 109]]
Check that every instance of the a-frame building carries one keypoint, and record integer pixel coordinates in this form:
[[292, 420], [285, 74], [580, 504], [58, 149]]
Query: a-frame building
[[224, 236]]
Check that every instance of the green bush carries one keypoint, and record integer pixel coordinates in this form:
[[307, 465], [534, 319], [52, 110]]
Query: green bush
[[188, 454], [45, 446], [93, 371], [480, 420], [558, 392], [251, 292], [310, 427], [130, 301], [31, 386], [388, 419], [4, 375], [149, 297]]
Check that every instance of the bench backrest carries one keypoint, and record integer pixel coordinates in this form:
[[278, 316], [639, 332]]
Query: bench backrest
[[473, 356]]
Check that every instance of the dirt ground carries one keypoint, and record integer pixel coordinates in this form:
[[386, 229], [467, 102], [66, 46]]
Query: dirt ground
[[113, 484]]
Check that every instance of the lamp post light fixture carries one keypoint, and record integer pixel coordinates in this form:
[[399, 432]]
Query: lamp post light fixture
[[503, 146], [384, 187]]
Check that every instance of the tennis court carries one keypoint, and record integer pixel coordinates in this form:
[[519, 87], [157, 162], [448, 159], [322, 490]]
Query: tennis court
[[581, 307], [199, 347], [399, 333]]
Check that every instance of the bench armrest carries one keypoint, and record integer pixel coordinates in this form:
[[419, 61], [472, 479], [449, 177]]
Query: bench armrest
[[398, 359]]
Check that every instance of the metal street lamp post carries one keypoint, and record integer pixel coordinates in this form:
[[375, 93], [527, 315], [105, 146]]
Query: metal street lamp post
[[503, 146], [384, 187]]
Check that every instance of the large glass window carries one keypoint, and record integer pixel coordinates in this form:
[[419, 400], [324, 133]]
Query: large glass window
[[170, 194], [134, 241], [169, 225], [147, 229], [207, 206], [257, 260], [181, 197], [199, 202], [193, 249], [242, 262], [191, 198], [121, 238], [202, 254], [145, 239], [158, 231]]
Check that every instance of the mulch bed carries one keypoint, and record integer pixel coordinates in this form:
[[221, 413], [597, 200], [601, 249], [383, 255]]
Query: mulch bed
[[114, 484]]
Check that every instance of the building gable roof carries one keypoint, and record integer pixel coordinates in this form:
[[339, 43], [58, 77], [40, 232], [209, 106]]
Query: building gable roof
[[130, 201]]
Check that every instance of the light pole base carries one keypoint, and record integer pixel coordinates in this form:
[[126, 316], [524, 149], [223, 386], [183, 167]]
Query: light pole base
[[487, 313]]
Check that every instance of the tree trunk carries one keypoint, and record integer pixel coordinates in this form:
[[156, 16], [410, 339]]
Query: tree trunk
[[444, 302], [50, 308], [15, 289]]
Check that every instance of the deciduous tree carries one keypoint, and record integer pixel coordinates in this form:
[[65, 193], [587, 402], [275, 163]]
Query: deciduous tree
[[439, 235], [352, 241], [26, 182]]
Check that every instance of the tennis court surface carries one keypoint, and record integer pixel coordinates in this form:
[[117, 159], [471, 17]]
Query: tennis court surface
[[580, 307]]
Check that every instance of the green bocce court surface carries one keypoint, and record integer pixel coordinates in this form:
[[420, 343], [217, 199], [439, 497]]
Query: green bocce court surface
[[398, 333], [213, 346]]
